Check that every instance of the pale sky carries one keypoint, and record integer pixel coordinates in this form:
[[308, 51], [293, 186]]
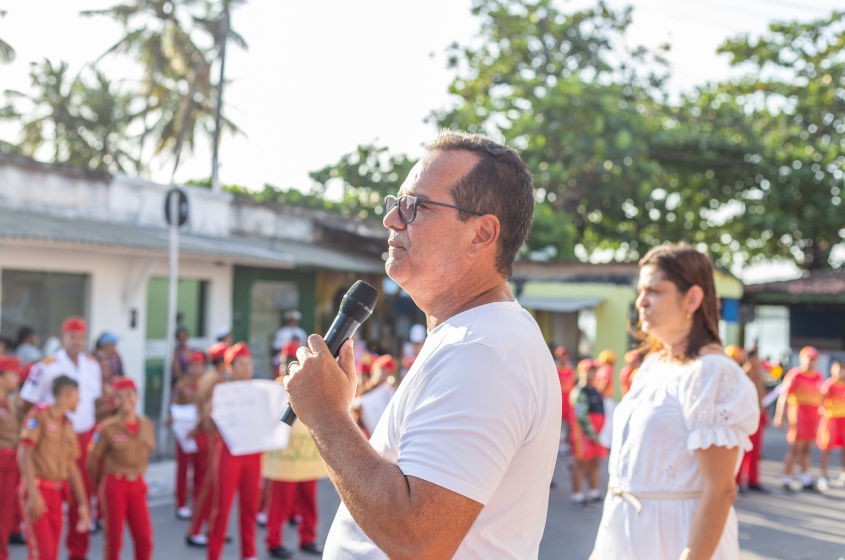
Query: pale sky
[[323, 76]]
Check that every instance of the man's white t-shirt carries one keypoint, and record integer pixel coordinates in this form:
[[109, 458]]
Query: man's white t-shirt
[[477, 414], [38, 387]]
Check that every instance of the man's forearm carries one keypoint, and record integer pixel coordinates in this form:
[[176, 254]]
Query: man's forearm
[[27, 469], [374, 490]]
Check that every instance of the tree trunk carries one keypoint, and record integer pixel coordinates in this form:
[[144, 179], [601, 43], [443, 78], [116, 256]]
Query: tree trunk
[[218, 110]]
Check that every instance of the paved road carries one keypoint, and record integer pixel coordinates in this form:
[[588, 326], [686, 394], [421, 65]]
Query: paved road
[[777, 526]]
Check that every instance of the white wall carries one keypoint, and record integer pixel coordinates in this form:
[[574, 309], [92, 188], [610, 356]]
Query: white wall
[[56, 191], [118, 284]]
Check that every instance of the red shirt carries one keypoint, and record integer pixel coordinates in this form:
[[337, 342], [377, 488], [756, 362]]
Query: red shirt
[[834, 398], [803, 388]]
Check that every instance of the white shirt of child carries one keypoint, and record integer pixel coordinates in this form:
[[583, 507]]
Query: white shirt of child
[[477, 414], [38, 387]]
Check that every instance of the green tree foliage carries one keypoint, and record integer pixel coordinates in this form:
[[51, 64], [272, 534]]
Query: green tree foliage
[[780, 137], [564, 90], [363, 179], [7, 53], [80, 121]]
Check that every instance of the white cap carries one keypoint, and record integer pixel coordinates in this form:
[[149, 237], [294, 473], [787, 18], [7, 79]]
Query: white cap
[[223, 332], [418, 333], [293, 314]]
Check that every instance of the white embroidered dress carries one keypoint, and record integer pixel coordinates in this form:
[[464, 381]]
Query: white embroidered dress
[[671, 411]]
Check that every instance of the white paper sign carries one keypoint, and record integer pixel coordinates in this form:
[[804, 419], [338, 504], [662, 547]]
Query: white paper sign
[[247, 414], [772, 396], [184, 420]]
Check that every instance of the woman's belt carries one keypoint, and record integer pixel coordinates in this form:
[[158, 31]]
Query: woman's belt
[[634, 498]]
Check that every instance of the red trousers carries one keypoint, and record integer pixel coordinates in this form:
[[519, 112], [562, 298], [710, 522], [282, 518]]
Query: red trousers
[[202, 485], [750, 466], [125, 500], [9, 476], [77, 543], [43, 535], [183, 462], [228, 474], [287, 499]]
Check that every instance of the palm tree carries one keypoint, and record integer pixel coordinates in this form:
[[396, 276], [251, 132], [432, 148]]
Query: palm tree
[[177, 73], [80, 124], [7, 53], [220, 29]]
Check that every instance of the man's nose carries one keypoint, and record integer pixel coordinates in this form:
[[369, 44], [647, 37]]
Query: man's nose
[[392, 221]]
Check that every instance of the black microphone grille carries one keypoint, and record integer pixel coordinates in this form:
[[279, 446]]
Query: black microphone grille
[[359, 301]]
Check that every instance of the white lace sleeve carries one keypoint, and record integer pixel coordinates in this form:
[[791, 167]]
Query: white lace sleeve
[[719, 405]]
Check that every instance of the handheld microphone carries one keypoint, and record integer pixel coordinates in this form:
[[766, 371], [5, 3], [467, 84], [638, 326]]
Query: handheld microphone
[[356, 307]]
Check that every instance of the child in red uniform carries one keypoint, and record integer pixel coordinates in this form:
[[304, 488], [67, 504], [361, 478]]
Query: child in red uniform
[[120, 452], [230, 473], [48, 456], [10, 428], [185, 392], [832, 426], [586, 421], [800, 399]]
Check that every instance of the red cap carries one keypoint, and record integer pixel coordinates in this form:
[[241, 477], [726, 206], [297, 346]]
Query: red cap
[[196, 357], [289, 351], [74, 324], [561, 351], [123, 383], [385, 362], [9, 363], [236, 351], [218, 351], [809, 352], [584, 365]]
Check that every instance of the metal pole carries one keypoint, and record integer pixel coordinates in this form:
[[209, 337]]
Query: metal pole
[[171, 322]]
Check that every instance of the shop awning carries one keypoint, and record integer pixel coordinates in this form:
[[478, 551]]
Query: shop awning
[[558, 304]]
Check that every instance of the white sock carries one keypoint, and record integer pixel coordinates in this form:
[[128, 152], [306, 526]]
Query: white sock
[[786, 479], [806, 479], [578, 497], [594, 493]]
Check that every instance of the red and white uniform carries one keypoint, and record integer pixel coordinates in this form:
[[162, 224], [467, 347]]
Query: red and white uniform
[[38, 390], [831, 432], [803, 399]]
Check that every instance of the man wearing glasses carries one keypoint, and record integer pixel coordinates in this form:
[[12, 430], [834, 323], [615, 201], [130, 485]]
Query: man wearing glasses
[[461, 461]]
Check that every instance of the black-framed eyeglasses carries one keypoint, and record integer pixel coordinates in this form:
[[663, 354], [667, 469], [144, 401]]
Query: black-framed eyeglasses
[[408, 206]]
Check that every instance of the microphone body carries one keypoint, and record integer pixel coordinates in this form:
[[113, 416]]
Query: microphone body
[[357, 306]]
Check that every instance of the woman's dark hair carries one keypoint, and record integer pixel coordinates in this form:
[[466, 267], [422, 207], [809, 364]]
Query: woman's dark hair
[[685, 267], [23, 334]]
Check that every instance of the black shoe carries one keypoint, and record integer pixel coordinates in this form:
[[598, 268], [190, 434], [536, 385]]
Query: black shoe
[[758, 488], [787, 488], [17, 539], [280, 552], [810, 488], [312, 548], [294, 521], [191, 541]]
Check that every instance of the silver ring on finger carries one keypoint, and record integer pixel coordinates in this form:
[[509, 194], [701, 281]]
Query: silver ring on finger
[[290, 365]]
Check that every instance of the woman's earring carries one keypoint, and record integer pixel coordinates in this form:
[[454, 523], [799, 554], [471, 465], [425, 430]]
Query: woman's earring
[[689, 316]]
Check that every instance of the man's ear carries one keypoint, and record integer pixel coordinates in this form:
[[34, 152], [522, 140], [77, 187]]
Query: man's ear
[[486, 236]]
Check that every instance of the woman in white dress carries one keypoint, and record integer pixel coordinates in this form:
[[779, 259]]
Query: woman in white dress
[[679, 434]]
